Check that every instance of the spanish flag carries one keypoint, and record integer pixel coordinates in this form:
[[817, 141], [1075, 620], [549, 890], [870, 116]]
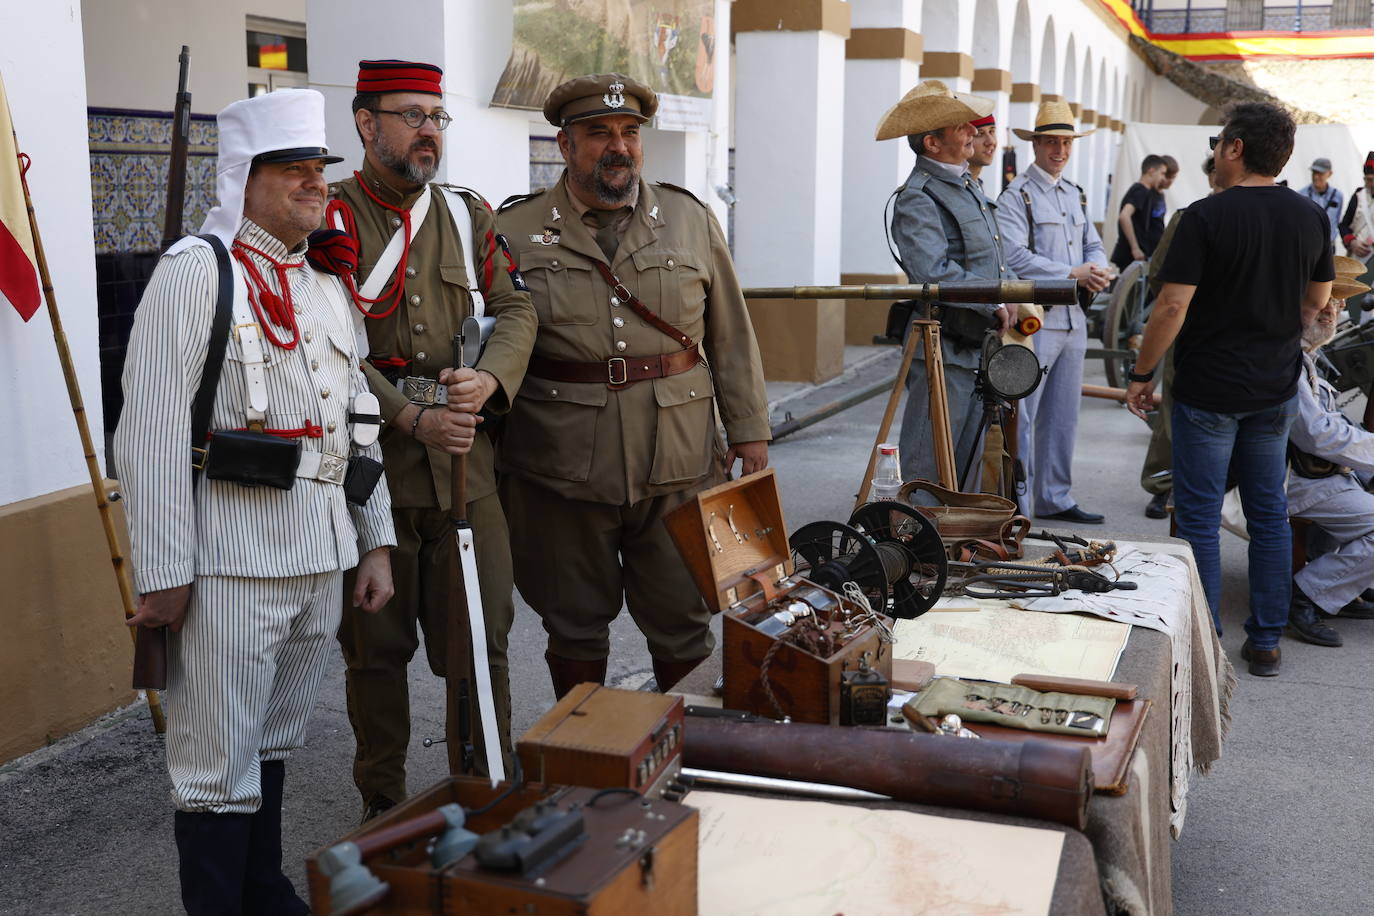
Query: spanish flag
[[18, 277]]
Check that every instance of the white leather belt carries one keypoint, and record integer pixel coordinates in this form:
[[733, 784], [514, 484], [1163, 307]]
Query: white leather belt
[[423, 391], [322, 466]]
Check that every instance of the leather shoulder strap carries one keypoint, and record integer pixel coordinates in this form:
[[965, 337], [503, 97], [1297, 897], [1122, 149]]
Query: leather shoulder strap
[[640, 309], [204, 402], [1030, 220]]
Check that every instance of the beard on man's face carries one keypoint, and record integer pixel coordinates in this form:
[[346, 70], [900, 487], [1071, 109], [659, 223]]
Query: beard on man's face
[[401, 161], [1321, 331], [603, 186]]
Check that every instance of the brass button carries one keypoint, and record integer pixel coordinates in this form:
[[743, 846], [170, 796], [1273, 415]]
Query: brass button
[[415, 299], [315, 365], [421, 356], [419, 329], [691, 394], [996, 237], [618, 321], [324, 392], [553, 392], [395, 221], [308, 337], [615, 301], [620, 345], [332, 426], [410, 271], [671, 263], [554, 262]]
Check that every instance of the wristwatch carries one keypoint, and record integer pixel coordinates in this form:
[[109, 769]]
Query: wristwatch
[[1141, 377]]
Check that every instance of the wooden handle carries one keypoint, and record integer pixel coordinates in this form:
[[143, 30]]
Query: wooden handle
[[1076, 685]]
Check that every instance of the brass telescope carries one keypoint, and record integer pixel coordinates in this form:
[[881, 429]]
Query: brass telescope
[[1041, 292]]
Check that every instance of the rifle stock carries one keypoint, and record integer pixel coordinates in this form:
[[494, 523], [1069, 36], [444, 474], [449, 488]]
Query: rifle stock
[[150, 658], [1024, 779]]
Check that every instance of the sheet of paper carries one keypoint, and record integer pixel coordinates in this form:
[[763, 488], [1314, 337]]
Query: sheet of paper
[[766, 856], [1000, 642]]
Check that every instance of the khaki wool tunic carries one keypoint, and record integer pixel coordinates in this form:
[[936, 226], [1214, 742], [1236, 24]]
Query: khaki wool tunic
[[586, 441], [422, 328]]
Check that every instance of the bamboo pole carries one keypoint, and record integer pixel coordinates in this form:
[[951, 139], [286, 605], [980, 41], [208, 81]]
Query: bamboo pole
[[126, 591], [1043, 292]]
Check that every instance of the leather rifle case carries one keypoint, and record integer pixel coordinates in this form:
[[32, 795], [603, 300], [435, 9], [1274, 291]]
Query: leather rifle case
[[1029, 779]]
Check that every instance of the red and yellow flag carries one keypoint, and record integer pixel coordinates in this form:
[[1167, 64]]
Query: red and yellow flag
[[18, 275]]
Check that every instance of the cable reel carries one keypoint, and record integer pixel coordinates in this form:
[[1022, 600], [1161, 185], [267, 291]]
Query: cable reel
[[892, 552]]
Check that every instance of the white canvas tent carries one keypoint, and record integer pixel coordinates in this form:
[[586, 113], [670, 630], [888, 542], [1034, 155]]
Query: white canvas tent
[[1344, 145]]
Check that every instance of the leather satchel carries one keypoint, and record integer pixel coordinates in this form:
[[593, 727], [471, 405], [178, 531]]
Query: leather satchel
[[972, 525]]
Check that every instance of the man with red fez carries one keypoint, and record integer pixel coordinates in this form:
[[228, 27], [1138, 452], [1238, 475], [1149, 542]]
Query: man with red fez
[[429, 256], [615, 424], [243, 567], [984, 147]]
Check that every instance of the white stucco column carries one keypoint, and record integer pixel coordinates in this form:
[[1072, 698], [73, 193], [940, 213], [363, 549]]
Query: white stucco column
[[485, 148], [883, 57], [789, 162]]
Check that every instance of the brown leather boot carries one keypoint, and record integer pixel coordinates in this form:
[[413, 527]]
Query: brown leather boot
[[567, 673], [666, 674]]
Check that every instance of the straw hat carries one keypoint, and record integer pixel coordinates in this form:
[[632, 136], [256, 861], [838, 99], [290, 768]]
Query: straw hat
[[1054, 119], [1349, 268], [931, 106], [1345, 287]]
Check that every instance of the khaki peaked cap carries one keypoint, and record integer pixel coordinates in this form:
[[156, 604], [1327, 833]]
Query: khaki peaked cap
[[931, 106], [1054, 119], [598, 96]]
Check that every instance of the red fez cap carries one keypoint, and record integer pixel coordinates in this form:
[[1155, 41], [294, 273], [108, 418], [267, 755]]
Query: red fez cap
[[984, 122], [398, 76], [1369, 164]]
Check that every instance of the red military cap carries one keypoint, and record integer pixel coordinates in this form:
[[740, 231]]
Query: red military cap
[[398, 76], [1369, 164], [984, 122]]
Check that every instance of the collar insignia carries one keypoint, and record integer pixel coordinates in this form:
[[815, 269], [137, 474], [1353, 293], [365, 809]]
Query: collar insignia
[[653, 214], [556, 214], [616, 97]]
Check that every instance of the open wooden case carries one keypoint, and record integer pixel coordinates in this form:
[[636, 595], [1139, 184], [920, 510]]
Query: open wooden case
[[734, 541], [624, 854]]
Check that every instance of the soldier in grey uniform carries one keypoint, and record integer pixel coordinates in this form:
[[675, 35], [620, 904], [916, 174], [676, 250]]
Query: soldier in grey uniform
[[1332, 493], [945, 228], [248, 578], [1049, 237]]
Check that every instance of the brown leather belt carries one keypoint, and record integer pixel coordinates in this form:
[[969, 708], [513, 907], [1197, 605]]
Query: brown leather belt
[[618, 371]]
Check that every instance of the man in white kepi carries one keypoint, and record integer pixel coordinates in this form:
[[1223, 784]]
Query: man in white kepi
[[252, 478]]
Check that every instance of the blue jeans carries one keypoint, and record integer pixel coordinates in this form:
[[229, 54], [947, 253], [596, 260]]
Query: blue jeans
[[1206, 444]]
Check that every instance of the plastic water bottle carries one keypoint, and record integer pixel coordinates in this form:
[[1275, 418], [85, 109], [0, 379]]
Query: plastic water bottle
[[887, 474]]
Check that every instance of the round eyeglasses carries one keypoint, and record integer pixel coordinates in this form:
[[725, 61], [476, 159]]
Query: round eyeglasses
[[414, 117]]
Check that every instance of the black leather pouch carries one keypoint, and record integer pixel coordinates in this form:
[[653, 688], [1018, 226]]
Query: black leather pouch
[[964, 328], [252, 459], [361, 479]]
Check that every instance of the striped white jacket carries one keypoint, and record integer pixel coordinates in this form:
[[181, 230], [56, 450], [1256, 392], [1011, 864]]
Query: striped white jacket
[[182, 527]]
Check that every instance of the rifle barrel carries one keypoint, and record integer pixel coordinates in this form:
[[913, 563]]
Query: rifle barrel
[[176, 160], [1042, 292]]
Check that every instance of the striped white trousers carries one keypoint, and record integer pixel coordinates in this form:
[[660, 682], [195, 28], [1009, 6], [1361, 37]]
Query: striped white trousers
[[241, 680]]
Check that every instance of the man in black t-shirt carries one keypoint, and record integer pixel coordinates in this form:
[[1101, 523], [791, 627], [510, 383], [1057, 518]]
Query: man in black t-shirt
[[1141, 220], [1247, 268]]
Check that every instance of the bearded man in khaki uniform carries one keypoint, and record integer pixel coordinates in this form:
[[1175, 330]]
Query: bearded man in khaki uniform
[[615, 422], [412, 317]]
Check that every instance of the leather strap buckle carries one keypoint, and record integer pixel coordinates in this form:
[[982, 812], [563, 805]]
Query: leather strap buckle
[[624, 372]]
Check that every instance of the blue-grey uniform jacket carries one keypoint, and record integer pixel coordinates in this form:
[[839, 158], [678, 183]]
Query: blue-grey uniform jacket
[[945, 228], [1322, 429]]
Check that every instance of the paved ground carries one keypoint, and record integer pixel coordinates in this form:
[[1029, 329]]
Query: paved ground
[[1282, 824]]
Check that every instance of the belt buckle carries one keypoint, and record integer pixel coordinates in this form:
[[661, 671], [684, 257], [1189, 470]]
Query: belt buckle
[[624, 372], [423, 391], [332, 468]]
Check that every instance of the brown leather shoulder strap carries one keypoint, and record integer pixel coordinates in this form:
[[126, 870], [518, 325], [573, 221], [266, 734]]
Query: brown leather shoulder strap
[[640, 309]]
